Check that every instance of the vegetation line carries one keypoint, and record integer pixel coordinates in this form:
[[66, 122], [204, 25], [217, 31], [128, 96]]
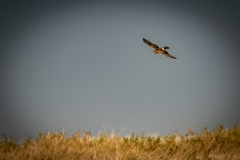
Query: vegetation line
[[217, 144]]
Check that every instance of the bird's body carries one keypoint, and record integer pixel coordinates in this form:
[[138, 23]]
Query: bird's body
[[156, 49]]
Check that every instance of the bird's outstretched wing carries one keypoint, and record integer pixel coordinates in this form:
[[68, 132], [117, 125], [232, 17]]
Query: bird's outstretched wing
[[154, 46], [165, 53]]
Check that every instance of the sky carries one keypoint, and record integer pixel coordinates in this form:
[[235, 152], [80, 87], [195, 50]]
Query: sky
[[83, 66]]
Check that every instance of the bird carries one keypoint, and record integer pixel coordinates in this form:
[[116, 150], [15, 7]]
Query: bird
[[159, 50]]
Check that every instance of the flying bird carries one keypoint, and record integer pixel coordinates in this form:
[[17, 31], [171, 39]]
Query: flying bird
[[159, 50]]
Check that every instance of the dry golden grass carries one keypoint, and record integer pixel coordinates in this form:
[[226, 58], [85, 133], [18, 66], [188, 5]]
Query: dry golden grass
[[218, 144]]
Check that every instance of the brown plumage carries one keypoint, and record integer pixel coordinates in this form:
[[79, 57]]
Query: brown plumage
[[159, 50]]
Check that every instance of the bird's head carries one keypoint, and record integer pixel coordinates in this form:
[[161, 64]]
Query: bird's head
[[164, 48]]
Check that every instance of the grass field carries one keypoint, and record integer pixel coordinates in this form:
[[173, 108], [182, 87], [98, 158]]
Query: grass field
[[217, 144]]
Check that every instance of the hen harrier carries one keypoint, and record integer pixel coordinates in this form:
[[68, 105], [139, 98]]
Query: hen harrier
[[159, 50]]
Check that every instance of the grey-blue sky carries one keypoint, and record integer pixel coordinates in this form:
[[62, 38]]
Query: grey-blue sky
[[80, 66]]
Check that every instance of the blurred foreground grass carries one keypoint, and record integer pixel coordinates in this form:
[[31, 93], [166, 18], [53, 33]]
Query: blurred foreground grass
[[217, 144]]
